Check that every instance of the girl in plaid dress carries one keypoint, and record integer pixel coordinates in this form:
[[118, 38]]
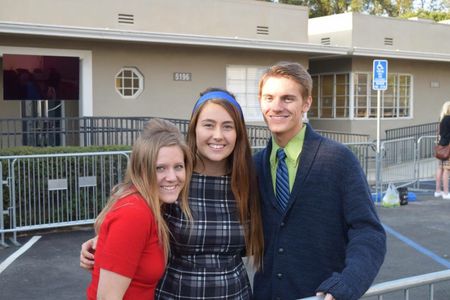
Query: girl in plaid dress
[[206, 254], [205, 260]]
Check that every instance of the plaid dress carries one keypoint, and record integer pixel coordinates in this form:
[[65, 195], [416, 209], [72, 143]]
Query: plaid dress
[[205, 260]]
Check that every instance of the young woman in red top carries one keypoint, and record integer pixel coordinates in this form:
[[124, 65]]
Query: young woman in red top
[[133, 238]]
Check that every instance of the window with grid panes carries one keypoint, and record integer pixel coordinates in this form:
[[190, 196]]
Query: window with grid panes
[[360, 95], [395, 101], [314, 109], [330, 96], [326, 96], [243, 81], [342, 96], [404, 95], [129, 82]]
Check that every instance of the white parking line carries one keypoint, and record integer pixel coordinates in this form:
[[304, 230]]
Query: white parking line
[[18, 253]]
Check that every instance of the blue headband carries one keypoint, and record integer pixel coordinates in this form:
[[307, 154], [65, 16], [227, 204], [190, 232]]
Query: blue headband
[[217, 95]]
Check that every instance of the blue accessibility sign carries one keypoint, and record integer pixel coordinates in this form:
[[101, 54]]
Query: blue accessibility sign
[[380, 75]]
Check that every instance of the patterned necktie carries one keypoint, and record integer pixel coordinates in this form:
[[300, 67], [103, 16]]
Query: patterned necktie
[[282, 181]]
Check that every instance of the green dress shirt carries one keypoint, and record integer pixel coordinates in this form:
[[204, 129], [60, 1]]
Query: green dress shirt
[[292, 150]]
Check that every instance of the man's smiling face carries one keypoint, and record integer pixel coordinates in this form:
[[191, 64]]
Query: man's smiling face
[[282, 106]]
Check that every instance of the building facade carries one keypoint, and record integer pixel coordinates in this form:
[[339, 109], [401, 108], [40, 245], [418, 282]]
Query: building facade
[[154, 57], [418, 54]]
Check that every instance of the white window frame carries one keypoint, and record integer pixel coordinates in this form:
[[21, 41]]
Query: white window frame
[[136, 74], [246, 89], [333, 95], [372, 94], [369, 96]]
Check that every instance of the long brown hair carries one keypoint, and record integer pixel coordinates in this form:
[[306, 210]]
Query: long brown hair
[[243, 177], [140, 176]]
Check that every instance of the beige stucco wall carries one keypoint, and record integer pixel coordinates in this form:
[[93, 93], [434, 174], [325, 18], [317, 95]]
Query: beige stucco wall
[[367, 31], [408, 35], [221, 18], [426, 103], [165, 97], [162, 96], [336, 27]]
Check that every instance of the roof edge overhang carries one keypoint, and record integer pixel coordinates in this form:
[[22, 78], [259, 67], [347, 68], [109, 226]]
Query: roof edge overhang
[[212, 41], [400, 54], [164, 38]]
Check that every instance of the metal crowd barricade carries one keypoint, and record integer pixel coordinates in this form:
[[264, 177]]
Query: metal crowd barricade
[[56, 190], [365, 152], [398, 160], [412, 131], [344, 137], [404, 162], [426, 162], [2, 211], [404, 285]]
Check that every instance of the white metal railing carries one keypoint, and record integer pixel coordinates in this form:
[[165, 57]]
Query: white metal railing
[[425, 168], [55, 190], [405, 284]]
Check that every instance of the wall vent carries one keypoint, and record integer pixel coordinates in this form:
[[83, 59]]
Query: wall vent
[[125, 19], [388, 41], [325, 41], [262, 30]]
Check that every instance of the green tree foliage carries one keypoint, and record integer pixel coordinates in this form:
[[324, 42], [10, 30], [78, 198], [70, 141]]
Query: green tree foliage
[[430, 9], [426, 14], [387, 7], [319, 8]]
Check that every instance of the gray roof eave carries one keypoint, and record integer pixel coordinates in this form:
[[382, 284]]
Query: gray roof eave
[[165, 38], [400, 54], [317, 50]]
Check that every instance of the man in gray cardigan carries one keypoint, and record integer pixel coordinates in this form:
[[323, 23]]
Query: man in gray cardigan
[[322, 234]]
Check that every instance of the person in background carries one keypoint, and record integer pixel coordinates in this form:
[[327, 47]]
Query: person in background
[[133, 238], [443, 165], [205, 261], [322, 235]]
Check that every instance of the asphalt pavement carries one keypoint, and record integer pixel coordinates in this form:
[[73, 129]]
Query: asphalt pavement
[[418, 243]]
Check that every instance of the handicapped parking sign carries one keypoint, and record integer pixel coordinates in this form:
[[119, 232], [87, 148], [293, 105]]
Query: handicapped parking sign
[[380, 74]]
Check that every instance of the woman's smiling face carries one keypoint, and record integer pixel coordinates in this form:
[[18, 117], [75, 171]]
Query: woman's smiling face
[[215, 135]]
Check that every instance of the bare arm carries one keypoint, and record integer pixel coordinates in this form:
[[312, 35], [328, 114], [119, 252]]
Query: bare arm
[[112, 286], [87, 254]]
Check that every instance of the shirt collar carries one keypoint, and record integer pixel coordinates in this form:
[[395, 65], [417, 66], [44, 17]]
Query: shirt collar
[[292, 149]]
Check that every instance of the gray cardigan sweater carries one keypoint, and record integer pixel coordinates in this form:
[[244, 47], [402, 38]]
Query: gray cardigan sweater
[[329, 238]]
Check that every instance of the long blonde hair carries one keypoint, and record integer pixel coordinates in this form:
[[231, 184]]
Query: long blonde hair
[[445, 111], [140, 176]]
